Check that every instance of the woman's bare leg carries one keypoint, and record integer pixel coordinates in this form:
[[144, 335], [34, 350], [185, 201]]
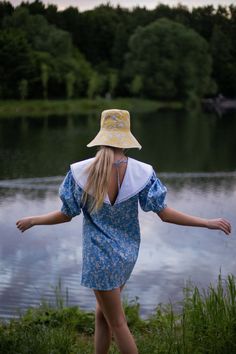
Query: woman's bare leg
[[111, 306], [103, 332]]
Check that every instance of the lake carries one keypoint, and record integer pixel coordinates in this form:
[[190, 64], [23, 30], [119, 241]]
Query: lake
[[194, 154]]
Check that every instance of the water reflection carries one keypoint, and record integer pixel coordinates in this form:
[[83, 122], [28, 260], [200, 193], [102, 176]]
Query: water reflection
[[32, 262], [172, 141]]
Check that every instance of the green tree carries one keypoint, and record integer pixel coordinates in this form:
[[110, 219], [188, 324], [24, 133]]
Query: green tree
[[97, 32], [96, 85], [136, 85], [70, 82], [120, 46], [51, 14], [224, 65], [40, 34], [16, 62], [202, 20], [172, 61], [69, 40], [36, 7], [54, 55], [112, 81], [23, 89], [44, 79], [70, 20], [6, 9]]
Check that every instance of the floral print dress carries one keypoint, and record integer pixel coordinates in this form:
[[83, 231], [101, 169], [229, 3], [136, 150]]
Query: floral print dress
[[111, 236]]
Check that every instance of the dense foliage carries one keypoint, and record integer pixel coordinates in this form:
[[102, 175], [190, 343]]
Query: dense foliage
[[164, 53], [169, 61], [204, 324]]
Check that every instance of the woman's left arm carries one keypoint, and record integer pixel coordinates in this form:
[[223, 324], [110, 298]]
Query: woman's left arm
[[173, 216]]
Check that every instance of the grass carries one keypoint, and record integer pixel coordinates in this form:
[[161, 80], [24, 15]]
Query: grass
[[206, 324], [12, 108]]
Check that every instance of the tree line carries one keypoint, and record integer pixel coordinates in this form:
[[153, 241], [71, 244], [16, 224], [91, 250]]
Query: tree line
[[165, 53]]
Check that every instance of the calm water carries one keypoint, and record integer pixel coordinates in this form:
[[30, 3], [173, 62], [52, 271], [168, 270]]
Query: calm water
[[194, 155]]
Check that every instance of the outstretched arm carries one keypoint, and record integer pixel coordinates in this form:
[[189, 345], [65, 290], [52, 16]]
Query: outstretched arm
[[55, 217], [173, 216]]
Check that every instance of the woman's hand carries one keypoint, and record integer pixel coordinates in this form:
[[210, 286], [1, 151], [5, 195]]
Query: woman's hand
[[24, 223], [219, 224]]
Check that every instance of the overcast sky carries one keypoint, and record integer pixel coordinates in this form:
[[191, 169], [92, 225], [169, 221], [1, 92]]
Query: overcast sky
[[89, 4]]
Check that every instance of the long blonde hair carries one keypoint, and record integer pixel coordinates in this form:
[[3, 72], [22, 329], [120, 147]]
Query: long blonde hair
[[99, 172]]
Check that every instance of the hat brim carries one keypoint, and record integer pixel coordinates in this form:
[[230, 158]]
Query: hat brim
[[119, 139]]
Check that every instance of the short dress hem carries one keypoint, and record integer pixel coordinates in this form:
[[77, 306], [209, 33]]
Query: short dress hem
[[90, 286]]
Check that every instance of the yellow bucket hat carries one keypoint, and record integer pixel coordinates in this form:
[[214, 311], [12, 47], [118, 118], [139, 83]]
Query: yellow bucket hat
[[115, 130]]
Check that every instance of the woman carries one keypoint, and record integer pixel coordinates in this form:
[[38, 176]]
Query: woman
[[108, 189]]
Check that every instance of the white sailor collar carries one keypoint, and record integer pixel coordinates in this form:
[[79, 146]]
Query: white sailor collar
[[136, 177]]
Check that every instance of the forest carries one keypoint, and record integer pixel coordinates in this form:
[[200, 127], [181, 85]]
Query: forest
[[168, 53]]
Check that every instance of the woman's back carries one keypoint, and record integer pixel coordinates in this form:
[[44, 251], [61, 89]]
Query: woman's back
[[118, 171]]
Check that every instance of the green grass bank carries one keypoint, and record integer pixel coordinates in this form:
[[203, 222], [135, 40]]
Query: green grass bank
[[205, 324], [11, 108]]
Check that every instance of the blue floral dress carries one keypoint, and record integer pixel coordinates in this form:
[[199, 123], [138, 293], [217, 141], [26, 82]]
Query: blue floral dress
[[111, 236]]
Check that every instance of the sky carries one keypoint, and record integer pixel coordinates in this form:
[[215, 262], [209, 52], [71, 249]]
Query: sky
[[89, 4]]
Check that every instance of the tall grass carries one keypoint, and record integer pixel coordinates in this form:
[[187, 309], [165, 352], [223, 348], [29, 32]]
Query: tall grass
[[205, 323], [209, 319]]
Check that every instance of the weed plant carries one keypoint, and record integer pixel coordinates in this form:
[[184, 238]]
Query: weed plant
[[205, 324]]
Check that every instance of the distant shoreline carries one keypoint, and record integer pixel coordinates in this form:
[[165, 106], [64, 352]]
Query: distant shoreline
[[16, 108]]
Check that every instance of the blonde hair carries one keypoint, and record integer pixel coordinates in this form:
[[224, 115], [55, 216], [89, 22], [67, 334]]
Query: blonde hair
[[99, 172]]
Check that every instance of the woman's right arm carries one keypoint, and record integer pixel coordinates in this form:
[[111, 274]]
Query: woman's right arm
[[176, 217], [55, 217]]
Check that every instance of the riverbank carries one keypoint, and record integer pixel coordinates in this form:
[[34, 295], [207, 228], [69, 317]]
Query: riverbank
[[205, 324], [12, 108]]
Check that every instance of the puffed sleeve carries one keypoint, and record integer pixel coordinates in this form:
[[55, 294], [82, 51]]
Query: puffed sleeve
[[70, 194], [152, 196]]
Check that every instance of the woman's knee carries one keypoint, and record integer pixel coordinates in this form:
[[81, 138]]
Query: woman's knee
[[114, 322], [99, 314], [117, 323]]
